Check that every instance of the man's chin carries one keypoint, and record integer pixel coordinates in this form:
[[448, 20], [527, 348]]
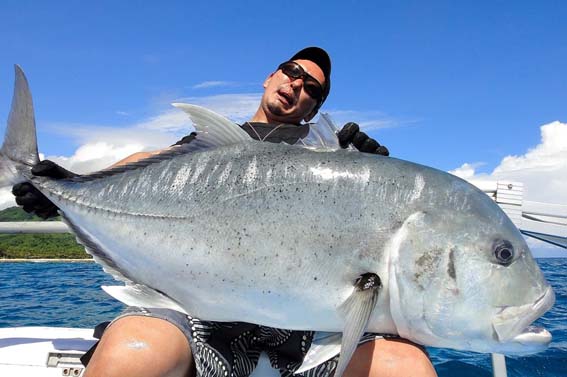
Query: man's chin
[[279, 107], [281, 114]]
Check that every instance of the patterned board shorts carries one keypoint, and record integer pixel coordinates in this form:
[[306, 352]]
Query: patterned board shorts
[[233, 348]]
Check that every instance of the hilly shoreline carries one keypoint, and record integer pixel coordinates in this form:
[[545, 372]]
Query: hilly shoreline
[[40, 247]]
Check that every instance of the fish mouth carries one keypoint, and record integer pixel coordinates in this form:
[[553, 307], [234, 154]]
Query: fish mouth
[[508, 329]]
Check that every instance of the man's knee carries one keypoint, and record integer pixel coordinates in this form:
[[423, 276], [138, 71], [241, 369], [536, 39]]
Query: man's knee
[[136, 345], [390, 358]]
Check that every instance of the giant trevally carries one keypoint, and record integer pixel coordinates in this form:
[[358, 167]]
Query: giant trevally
[[230, 229]]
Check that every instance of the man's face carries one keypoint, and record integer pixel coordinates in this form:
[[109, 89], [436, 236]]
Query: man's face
[[285, 99]]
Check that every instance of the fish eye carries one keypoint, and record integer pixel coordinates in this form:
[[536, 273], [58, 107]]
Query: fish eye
[[504, 252]]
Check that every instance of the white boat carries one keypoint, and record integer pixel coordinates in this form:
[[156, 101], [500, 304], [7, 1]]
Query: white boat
[[43, 351]]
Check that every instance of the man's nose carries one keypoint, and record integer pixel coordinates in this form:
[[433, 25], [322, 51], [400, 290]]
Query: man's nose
[[296, 83]]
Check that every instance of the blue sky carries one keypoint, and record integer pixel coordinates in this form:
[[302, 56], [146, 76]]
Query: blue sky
[[442, 83]]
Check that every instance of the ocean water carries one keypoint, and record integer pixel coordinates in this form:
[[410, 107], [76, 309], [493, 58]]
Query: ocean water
[[68, 295]]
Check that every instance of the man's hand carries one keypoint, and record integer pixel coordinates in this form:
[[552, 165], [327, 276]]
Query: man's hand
[[34, 201], [351, 134]]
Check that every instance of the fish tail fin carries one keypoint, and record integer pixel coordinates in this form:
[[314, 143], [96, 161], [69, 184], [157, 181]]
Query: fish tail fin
[[19, 151]]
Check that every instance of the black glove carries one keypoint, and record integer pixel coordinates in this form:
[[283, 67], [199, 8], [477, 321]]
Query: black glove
[[351, 134], [33, 201]]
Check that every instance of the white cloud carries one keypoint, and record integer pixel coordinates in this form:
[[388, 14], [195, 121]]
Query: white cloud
[[549, 155], [213, 84], [367, 120], [96, 156], [542, 169], [100, 147], [466, 171]]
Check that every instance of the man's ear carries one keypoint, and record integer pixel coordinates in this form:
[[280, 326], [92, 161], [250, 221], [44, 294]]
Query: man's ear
[[267, 80]]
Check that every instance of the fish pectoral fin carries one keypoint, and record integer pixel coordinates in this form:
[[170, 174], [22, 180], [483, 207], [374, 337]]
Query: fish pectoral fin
[[356, 311], [142, 296]]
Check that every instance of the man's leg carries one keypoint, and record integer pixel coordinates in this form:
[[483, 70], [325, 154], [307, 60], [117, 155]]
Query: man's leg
[[142, 346], [390, 358]]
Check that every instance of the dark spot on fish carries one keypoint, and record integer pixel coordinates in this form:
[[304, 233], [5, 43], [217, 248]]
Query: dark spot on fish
[[423, 259], [314, 277], [425, 266], [451, 266]]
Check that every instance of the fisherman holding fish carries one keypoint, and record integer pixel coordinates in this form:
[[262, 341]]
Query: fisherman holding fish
[[163, 342]]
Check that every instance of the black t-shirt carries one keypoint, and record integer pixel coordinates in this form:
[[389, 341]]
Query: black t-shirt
[[276, 133], [272, 133]]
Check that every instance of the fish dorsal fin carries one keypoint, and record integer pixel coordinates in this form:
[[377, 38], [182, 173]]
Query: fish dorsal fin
[[142, 296], [213, 129]]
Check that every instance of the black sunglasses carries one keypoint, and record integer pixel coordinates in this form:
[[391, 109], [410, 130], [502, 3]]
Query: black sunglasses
[[310, 84]]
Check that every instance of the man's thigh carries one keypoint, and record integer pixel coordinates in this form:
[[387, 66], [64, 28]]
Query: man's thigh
[[142, 346], [390, 358]]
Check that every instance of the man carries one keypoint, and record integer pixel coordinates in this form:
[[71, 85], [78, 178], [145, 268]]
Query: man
[[154, 342]]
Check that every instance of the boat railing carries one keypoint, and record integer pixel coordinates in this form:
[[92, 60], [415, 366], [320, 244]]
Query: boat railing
[[37, 227], [544, 221]]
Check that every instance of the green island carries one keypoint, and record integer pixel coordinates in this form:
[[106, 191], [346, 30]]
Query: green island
[[37, 246]]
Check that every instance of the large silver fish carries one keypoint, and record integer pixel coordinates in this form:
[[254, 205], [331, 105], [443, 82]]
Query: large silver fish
[[230, 229]]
